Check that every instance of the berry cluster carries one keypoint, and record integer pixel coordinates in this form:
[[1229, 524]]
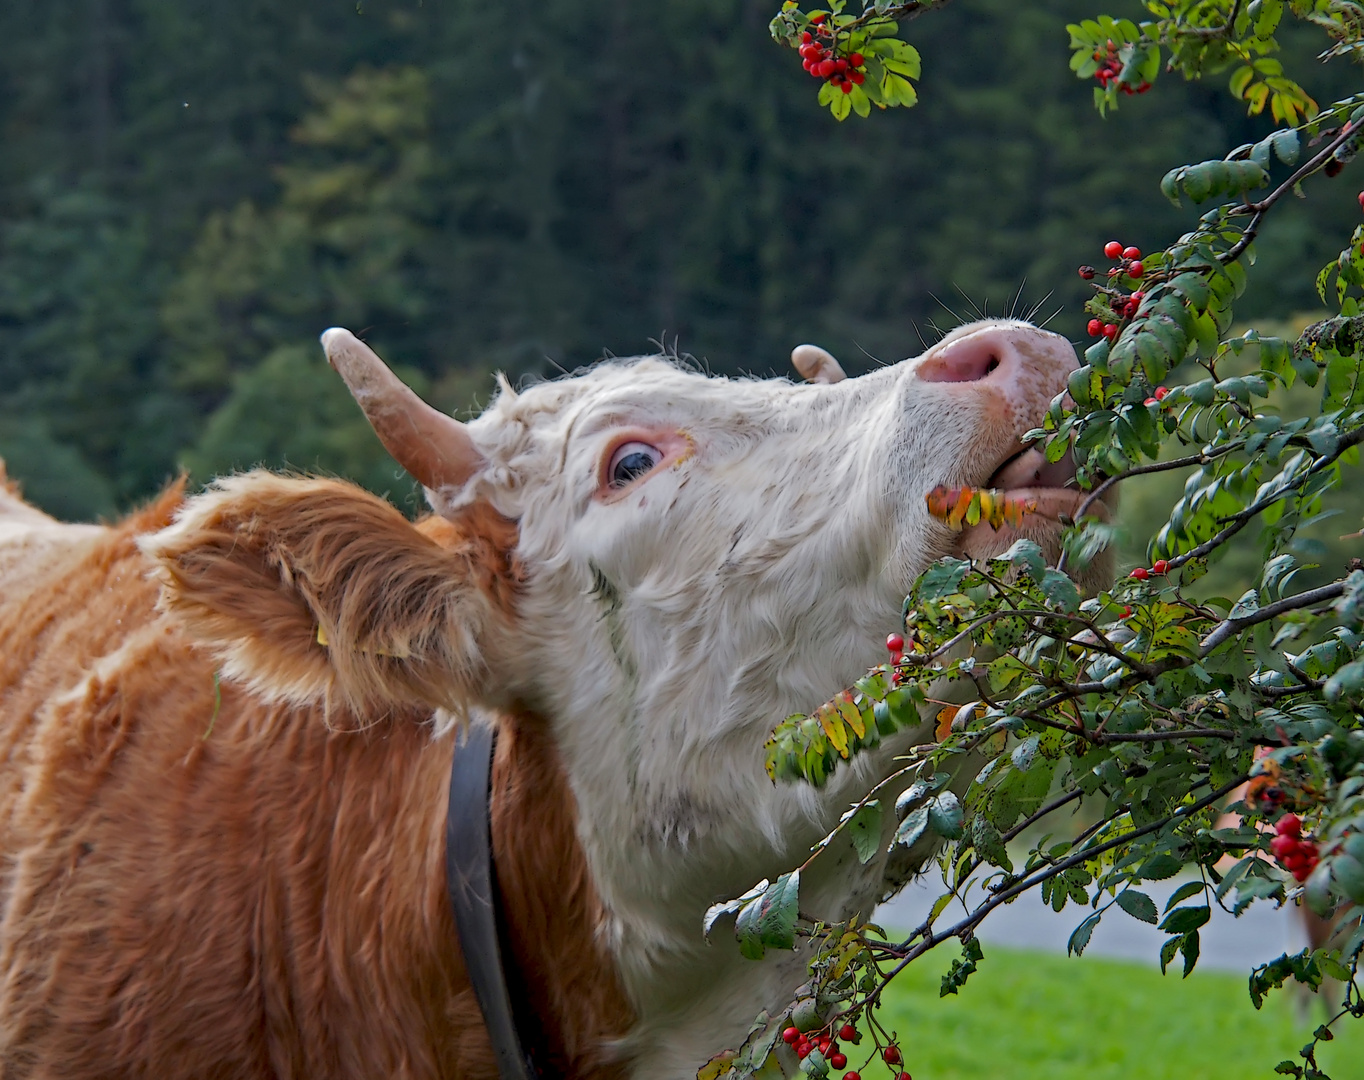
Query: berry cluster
[[819, 56], [895, 645], [1296, 855], [1110, 67], [1159, 567], [1161, 393], [1127, 259], [804, 1044], [1126, 263]]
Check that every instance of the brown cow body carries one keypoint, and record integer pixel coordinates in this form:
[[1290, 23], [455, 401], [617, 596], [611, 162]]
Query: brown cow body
[[228, 722], [231, 896]]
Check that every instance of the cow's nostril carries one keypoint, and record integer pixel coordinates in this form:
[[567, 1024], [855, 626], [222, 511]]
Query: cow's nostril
[[968, 359]]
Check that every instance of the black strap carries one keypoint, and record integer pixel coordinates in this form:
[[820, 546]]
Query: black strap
[[469, 878]]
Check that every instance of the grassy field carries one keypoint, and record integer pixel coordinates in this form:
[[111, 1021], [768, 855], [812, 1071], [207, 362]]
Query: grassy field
[[1036, 1016]]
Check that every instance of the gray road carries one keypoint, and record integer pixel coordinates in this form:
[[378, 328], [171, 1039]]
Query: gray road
[[1260, 934]]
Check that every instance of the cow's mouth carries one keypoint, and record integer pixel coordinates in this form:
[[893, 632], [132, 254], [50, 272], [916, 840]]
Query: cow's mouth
[[1050, 485]]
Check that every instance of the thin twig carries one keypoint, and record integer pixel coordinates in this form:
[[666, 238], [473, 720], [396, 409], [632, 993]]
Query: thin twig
[[1158, 736], [1159, 466], [1055, 804], [1238, 520], [1260, 208]]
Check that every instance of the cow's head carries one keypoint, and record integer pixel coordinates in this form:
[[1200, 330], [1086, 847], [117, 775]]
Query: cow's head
[[660, 563]]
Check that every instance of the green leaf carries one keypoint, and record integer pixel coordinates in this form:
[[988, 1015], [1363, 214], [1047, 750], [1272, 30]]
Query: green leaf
[[864, 827], [944, 578], [945, 816], [770, 920], [989, 844], [1080, 937], [860, 103], [913, 827], [1182, 920], [1159, 867], [1138, 905], [1188, 889], [1060, 590], [1189, 947]]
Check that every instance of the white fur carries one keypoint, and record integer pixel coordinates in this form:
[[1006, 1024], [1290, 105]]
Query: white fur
[[668, 632]]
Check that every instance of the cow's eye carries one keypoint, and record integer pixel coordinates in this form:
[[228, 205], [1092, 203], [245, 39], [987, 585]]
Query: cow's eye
[[631, 460]]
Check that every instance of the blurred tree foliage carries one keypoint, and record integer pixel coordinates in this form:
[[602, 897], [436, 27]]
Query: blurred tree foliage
[[189, 193]]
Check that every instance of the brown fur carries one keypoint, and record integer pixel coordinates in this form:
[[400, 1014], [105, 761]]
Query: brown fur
[[253, 890], [259, 566]]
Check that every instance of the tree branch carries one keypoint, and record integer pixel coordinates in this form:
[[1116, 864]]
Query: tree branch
[[967, 925]]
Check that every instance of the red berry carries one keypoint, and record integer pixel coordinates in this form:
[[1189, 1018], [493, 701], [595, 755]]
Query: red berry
[[1162, 392], [1289, 825], [803, 1049], [847, 1032], [905, 1076], [1131, 254], [1126, 611], [1159, 566], [826, 68], [807, 37], [1302, 873], [1087, 272], [1361, 200], [854, 1075], [1283, 846], [1111, 331], [1138, 296], [817, 18], [858, 77], [840, 64], [895, 643], [892, 1055], [857, 59], [1140, 573], [846, 87], [1135, 270], [838, 1060], [791, 1036], [1095, 328], [1112, 249], [1150, 401], [807, 65]]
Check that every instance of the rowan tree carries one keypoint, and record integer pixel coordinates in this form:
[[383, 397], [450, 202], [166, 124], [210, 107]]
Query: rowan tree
[[1158, 703]]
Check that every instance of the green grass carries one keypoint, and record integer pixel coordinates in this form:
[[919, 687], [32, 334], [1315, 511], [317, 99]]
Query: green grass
[[1030, 1016]]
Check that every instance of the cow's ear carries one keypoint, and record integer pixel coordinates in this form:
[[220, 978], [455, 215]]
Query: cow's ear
[[313, 590]]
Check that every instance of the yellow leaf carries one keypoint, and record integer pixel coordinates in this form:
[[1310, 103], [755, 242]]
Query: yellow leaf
[[833, 727], [716, 1066], [943, 728], [848, 711]]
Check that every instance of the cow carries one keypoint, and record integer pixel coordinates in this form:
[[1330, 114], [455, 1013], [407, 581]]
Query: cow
[[228, 719]]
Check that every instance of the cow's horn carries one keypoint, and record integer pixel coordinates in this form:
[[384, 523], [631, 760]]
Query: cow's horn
[[436, 449], [816, 364]]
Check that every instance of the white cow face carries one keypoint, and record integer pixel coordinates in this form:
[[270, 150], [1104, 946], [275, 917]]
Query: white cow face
[[706, 556]]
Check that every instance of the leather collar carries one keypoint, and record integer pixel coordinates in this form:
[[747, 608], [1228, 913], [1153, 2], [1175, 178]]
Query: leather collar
[[471, 880]]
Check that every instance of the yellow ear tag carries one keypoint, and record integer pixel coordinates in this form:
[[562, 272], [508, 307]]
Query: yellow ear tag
[[322, 640]]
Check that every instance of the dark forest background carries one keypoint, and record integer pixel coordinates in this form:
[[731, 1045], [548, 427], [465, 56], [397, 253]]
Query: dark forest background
[[190, 190]]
